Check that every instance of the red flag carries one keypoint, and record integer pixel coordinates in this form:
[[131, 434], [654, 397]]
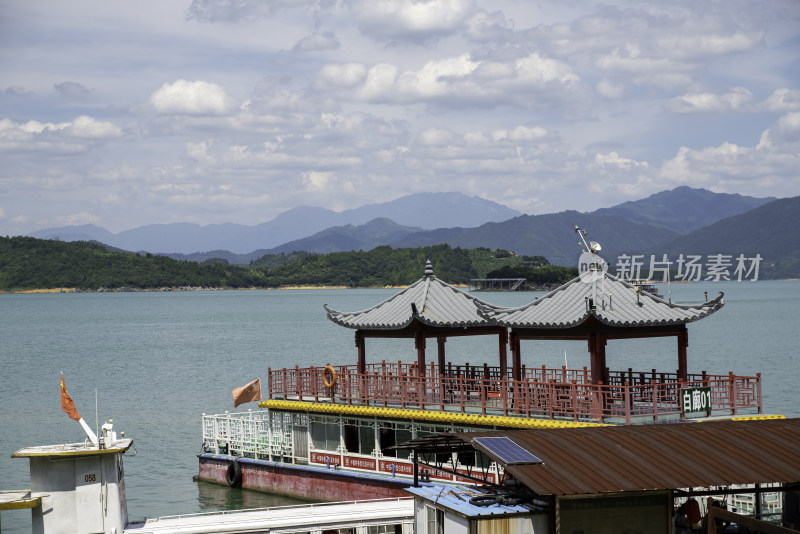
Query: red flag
[[249, 393], [66, 402]]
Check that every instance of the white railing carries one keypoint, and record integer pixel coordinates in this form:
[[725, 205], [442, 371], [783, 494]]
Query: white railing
[[259, 434], [286, 437]]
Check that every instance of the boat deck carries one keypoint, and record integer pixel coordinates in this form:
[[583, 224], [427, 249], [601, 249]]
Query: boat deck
[[555, 393]]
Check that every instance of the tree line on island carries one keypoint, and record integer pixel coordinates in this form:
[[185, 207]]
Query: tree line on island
[[29, 263]]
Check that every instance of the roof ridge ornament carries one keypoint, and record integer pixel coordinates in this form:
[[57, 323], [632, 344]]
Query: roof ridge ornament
[[428, 278]]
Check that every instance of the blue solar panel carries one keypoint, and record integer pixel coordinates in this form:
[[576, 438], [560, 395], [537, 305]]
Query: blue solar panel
[[507, 451]]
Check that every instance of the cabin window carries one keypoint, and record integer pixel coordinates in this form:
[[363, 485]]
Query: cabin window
[[401, 435], [435, 520], [385, 529], [325, 436], [359, 439]]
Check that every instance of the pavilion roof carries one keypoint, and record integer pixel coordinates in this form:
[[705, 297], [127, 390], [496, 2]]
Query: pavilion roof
[[616, 303], [428, 300]]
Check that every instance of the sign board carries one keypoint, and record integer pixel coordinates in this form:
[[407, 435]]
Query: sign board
[[695, 400]]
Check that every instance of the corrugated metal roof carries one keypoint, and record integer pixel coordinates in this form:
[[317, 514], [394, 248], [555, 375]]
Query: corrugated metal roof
[[617, 303], [457, 498], [437, 303], [656, 457]]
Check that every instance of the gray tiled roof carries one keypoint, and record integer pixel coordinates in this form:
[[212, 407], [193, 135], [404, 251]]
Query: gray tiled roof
[[616, 305], [437, 304]]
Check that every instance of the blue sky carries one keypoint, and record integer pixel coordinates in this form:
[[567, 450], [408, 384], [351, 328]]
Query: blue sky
[[122, 114]]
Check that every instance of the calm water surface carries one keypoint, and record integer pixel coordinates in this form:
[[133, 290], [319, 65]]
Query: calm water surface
[[159, 360]]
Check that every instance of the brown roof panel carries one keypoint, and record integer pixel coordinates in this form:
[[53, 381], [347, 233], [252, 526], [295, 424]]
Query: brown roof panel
[[657, 457]]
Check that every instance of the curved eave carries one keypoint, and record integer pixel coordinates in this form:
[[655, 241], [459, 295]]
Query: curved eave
[[335, 317], [435, 301], [623, 314]]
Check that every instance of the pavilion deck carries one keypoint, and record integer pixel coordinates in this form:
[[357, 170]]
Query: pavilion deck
[[542, 393]]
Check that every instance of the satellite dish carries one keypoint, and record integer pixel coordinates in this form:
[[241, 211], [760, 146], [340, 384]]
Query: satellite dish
[[595, 247]]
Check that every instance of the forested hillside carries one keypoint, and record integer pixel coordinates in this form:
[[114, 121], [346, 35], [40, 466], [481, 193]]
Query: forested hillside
[[29, 263]]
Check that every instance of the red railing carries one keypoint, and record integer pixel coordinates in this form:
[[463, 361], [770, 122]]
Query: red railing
[[542, 393]]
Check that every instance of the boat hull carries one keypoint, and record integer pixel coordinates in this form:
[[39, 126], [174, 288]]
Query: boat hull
[[302, 482]]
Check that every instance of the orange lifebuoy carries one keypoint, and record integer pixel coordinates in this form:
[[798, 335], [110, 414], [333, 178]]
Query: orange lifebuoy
[[329, 376]]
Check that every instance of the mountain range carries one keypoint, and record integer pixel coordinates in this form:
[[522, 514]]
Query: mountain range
[[420, 210], [682, 220]]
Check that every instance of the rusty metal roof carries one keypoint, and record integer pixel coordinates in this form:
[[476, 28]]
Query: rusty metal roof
[[656, 457], [429, 300], [616, 303]]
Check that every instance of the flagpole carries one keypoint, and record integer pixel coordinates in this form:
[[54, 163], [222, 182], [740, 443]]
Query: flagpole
[[96, 423]]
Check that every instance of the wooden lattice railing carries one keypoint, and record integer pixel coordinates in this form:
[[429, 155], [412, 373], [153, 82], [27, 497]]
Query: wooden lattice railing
[[542, 393]]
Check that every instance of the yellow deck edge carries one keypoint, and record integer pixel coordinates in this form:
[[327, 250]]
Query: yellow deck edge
[[422, 415], [18, 500]]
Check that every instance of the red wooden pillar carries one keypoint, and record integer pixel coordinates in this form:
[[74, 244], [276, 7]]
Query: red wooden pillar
[[597, 352], [516, 357], [601, 348], [440, 341], [362, 355], [683, 343], [503, 342], [419, 343]]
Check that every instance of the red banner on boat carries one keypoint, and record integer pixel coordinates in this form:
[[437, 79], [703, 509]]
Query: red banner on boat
[[476, 473], [359, 463], [325, 458], [399, 468], [66, 402]]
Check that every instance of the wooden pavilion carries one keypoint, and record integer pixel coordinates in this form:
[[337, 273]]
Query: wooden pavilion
[[598, 310], [427, 309]]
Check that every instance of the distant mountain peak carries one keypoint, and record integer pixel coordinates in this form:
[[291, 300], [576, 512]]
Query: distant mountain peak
[[684, 209]]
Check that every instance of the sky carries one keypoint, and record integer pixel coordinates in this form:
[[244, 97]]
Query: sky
[[122, 114]]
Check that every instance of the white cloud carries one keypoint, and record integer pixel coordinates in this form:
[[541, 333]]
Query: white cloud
[[317, 42], [783, 100], [72, 90], [56, 137], [342, 75], [453, 79], [687, 46], [199, 152], [192, 98], [645, 68], [608, 89], [751, 170], [88, 127], [83, 217], [542, 70], [436, 136], [410, 19], [734, 100], [485, 26], [317, 180], [229, 11], [614, 159]]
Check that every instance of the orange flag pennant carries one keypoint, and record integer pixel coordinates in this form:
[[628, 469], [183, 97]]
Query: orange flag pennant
[[249, 393], [66, 402]]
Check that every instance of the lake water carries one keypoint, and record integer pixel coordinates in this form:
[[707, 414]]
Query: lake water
[[159, 360]]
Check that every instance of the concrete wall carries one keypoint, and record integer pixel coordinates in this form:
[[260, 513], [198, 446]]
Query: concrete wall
[[79, 494]]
